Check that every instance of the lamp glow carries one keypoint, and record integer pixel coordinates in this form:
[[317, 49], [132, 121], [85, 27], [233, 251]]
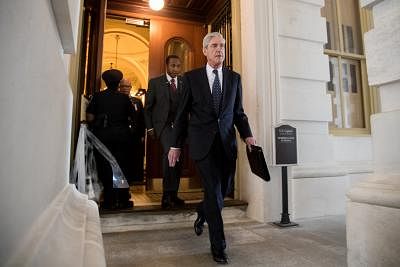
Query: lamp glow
[[156, 4]]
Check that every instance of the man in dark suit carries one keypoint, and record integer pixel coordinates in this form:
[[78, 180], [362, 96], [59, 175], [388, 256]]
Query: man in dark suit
[[162, 101], [137, 129], [212, 96], [108, 115]]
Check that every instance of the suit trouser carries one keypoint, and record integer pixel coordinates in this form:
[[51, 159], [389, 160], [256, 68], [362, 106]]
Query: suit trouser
[[171, 175], [217, 171], [134, 155]]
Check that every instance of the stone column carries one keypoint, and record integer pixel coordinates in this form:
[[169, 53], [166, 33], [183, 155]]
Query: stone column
[[373, 210], [284, 74]]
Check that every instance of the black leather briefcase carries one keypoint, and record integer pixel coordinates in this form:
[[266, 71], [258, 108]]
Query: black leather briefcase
[[257, 162]]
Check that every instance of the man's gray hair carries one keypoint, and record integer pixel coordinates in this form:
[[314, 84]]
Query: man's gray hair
[[209, 36]]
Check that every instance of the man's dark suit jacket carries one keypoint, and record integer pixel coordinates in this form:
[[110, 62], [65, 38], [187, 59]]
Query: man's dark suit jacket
[[157, 104], [138, 126], [204, 123]]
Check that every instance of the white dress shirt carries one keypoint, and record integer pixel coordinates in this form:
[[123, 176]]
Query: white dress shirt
[[169, 78], [211, 76]]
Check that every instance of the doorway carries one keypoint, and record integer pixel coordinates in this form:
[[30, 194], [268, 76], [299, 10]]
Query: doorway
[[137, 40], [126, 46]]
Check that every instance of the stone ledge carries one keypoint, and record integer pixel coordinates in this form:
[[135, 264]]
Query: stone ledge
[[317, 171], [321, 170], [380, 190], [67, 233]]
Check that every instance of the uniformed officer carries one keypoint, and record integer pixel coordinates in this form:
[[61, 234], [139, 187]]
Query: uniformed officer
[[108, 115]]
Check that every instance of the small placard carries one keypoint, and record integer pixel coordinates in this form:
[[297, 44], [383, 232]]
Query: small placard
[[285, 145]]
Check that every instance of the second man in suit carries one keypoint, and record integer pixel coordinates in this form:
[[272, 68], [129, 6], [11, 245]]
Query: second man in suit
[[162, 101]]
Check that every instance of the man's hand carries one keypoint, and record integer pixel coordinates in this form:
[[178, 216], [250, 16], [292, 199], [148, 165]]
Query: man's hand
[[173, 156], [250, 141]]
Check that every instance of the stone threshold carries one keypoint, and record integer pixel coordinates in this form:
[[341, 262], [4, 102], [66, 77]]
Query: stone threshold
[[143, 218], [189, 206]]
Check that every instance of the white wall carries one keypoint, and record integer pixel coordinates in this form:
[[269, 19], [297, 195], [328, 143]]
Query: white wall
[[284, 72], [35, 108]]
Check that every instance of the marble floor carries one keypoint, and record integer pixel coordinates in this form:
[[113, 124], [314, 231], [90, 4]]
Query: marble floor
[[315, 242]]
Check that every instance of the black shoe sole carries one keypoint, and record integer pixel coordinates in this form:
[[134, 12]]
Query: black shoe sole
[[220, 259]]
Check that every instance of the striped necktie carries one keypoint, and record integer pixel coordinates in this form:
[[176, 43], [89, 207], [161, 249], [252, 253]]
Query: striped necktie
[[173, 85]]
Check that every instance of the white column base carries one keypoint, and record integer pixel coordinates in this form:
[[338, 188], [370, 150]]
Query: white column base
[[373, 223], [67, 233]]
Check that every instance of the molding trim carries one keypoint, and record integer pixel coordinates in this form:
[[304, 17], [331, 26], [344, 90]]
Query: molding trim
[[321, 170], [317, 171], [381, 190], [63, 20], [369, 3]]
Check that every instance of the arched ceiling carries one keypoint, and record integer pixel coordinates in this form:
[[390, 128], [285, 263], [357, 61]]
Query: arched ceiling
[[126, 48]]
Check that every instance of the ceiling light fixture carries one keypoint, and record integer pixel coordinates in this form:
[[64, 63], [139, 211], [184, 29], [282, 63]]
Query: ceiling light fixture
[[156, 4]]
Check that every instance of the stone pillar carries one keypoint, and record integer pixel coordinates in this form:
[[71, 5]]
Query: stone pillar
[[279, 38], [259, 59], [373, 210]]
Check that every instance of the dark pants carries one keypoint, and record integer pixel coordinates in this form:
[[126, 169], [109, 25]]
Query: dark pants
[[217, 172], [133, 170], [171, 175], [116, 142]]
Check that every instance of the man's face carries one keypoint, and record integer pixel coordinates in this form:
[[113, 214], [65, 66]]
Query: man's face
[[174, 67], [125, 87], [215, 52]]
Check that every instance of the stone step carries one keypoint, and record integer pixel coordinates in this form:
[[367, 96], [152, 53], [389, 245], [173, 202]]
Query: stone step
[[154, 218]]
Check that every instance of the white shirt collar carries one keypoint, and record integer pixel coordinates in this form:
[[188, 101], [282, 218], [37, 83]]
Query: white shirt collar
[[210, 69], [211, 76], [169, 78]]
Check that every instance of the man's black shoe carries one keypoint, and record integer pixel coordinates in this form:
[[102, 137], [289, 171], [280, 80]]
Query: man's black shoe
[[177, 202], [199, 225], [220, 256], [125, 205], [165, 202], [107, 205], [223, 244]]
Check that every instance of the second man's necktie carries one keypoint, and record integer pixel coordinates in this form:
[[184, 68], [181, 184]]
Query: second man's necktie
[[216, 92], [173, 85]]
